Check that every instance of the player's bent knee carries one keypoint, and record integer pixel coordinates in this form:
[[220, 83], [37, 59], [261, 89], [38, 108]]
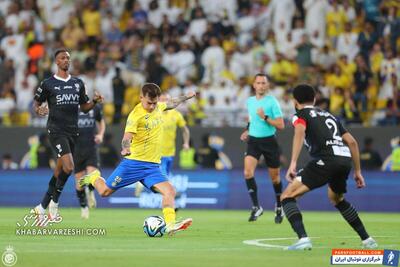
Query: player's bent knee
[[68, 169], [335, 199], [248, 174], [286, 194]]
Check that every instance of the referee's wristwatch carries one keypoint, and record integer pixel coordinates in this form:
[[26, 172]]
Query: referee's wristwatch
[[266, 117]]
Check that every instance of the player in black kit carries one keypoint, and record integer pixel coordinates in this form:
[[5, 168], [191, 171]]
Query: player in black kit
[[332, 149], [63, 94], [86, 156]]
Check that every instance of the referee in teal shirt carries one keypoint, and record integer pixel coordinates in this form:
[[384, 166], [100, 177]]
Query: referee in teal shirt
[[265, 116]]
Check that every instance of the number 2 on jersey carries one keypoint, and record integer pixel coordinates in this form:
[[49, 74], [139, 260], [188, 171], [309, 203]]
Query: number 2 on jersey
[[330, 123]]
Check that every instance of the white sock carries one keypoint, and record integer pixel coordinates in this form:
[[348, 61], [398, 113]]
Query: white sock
[[41, 209]]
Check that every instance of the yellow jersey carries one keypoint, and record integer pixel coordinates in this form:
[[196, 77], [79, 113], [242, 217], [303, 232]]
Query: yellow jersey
[[147, 129], [171, 120]]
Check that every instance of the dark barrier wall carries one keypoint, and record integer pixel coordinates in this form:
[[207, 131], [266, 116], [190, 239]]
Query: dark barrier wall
[[14, 140], [203, 189]]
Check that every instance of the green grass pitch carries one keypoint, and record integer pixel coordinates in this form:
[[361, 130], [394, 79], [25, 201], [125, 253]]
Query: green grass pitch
[[216, 238]]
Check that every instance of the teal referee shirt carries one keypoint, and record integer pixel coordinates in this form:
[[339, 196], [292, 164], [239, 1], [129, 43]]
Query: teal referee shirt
[[258, 127]]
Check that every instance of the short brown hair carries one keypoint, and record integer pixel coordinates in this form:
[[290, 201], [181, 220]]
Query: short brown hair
[[151, 90], [260, 75]]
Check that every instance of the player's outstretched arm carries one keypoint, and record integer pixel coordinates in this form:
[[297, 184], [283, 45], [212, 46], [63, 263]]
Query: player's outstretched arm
[[126, 144], [186, 137], [174, 102], [355, 155], [97, 98], [298, 140]]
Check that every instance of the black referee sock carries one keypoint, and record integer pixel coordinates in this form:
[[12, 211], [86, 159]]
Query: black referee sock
[[350, 214], [294, 216], [278, 192], [47, 197], [62, 179], [252, 190], [82, 198]]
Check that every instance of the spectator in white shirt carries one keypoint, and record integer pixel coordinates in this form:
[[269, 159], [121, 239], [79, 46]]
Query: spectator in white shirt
[[154, 14], [349, 11], [325, 58], [282, 12], [213, 60], [298, 31], [103, 82], [347, 43], [25, 85], [288, 46], [169, 60], [315, 20], [13, 46], [185, 61], [12, 18], [198, 25]]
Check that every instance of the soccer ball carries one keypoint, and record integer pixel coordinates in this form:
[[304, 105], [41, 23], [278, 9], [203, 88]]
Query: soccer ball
[[154, 226]]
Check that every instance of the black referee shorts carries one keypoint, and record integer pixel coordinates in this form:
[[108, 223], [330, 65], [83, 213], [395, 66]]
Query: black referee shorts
[[86, 156], [266, 146], [320, 172], [62, 144]]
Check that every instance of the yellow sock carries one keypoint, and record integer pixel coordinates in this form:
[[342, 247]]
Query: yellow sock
[[93, 179], [169, 215]]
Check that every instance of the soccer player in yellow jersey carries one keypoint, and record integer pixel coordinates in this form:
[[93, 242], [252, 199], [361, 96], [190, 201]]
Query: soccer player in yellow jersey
[[171, 120], [141, 148]]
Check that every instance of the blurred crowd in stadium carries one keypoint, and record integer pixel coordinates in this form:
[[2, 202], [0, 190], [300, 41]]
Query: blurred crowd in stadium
[[349, 50]]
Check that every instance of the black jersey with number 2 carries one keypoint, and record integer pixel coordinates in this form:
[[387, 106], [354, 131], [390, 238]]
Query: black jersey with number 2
[[63, 97], [323, 133]]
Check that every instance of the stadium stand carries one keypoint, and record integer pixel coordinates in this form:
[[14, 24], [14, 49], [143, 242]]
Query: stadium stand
[[347, 49]]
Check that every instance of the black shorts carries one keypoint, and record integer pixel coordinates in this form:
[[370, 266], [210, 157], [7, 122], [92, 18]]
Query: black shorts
[[62, 144], [86, 157], [320, 172], [266, 146]]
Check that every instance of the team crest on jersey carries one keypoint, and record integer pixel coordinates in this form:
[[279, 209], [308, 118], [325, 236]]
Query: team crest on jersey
[[116, 181], [313, 114], [77, 87]]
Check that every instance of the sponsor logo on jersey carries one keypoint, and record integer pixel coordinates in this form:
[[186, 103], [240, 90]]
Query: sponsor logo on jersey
[[67, 99], [85, 122]]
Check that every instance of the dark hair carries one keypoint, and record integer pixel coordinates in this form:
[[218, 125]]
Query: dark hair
[[304, 93], [260, 75], [151, 90], [62, 50]]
